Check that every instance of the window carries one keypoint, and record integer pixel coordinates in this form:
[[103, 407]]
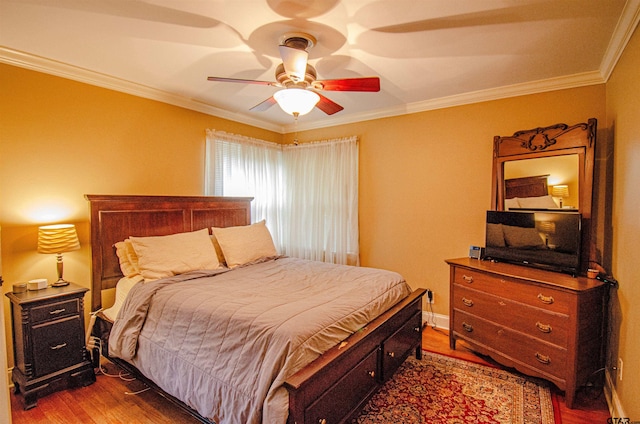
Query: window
[[308, 194]]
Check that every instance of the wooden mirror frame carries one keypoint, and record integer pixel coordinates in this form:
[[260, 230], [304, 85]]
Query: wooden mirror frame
[[555, 140]]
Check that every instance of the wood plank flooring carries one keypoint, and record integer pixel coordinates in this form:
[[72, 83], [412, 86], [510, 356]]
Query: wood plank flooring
[[110, 399]]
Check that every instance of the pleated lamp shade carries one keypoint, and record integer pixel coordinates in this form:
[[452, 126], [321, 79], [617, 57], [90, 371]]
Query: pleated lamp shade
[[57, 239]]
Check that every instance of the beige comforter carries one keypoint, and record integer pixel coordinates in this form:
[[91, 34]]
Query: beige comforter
[[225, 342]]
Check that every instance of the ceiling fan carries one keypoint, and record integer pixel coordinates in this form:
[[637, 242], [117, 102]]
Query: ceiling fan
[[299, 80]]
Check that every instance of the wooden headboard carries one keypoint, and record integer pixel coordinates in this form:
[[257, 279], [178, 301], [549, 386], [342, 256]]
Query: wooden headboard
[[526, 187], [114, 218]]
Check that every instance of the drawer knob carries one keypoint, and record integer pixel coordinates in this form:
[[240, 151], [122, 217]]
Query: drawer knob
[[501, 303], [56, 347], [467, 278], [391, 354], [416, 329], [467, 302], [545, 328], [467, 327], [544, 359], [545, 299], [372, 374], [57, 311], [322, 421]]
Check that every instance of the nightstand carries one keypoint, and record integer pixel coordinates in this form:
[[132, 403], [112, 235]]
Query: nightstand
[[49, 341]]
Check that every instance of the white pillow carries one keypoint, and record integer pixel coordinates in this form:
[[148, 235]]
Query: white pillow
[[164, 256], [541, 202], [511, 203], [243, 244], [127, 258]]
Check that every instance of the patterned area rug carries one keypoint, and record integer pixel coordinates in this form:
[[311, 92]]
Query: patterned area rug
[[440, 389]]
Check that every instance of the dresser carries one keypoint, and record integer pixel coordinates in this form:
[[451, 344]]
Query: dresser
[[49, 341], [544, 324]]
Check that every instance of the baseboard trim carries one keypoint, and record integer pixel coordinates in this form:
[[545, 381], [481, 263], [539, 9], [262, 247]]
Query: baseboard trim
[[615, 407], [435, 320]]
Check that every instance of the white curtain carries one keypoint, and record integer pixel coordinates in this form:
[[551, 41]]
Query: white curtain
[[243, 166], [308, 193], [322, 198]]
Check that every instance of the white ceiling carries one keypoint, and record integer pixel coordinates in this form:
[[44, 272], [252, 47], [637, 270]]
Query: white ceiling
[[427, 53]]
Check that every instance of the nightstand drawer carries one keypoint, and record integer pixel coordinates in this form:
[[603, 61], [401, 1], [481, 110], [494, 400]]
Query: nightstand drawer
[[55, 310], [57, 345]]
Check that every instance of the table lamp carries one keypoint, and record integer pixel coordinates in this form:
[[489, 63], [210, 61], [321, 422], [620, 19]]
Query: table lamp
[[560, 191], [58, 239]]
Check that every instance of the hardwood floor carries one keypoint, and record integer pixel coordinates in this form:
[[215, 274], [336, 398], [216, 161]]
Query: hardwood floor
[[112, 400]]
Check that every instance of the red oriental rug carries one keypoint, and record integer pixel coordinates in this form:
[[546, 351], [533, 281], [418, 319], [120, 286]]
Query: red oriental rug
[[443, 390]]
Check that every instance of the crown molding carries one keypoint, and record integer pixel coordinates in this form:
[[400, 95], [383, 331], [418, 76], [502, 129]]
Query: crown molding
[[541, 86], [620, 38], [63, 70]]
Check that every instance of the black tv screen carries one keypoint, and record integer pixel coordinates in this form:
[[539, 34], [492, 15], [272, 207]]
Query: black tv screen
[[543, 239]]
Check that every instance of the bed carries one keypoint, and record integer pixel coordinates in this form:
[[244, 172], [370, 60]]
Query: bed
[[528, 193], [323, 362]]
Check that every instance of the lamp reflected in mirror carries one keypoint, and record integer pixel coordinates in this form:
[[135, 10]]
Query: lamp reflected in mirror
[[561, 192]]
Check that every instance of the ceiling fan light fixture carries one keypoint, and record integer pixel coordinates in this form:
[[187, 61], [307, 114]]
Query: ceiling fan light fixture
[[296, 101]]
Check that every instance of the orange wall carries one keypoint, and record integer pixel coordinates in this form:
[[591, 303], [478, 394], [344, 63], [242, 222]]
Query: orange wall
[[623, 119]]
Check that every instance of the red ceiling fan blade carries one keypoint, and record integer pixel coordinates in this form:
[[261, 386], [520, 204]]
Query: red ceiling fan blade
[[350, 84], [243, 81], [328, 106], [262, 106]]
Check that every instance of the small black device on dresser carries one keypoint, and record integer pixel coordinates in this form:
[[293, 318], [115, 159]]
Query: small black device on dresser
[[48, 341]]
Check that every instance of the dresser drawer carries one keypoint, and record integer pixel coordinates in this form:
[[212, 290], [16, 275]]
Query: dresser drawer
[[539, 323], [540, 296], [55, 310], [336, 403], [57, 345], [546, 358]]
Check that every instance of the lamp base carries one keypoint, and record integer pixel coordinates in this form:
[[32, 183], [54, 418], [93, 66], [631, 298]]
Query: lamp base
[[60, 283]]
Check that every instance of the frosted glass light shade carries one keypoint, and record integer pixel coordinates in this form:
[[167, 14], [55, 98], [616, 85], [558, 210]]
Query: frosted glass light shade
[[296, 101]]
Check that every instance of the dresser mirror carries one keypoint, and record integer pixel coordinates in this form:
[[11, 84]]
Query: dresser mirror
[[554, 161]]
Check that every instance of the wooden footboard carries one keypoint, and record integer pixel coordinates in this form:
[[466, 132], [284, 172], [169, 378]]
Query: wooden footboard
[[337, 385]]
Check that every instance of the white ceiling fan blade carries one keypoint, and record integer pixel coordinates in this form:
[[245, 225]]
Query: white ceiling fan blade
[[295, 62]]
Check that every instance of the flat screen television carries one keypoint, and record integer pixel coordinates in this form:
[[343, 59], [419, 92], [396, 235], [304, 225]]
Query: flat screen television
[[538, 238]]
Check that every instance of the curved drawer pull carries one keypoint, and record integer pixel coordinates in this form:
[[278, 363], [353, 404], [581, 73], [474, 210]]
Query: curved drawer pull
[[467, 327], [467, 278], [544, 359], [372, 374], [467, 302], [545, 299], [57, 311], [56, 347], [501, 303], [545, 328]]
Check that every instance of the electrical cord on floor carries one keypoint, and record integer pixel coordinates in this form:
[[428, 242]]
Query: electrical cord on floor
[[96, 342]]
